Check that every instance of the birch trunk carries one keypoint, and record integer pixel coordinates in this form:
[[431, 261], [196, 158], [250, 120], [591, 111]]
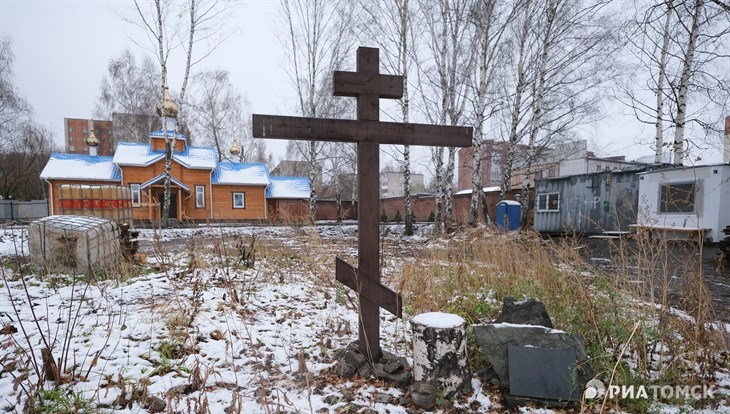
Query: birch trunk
[[477, 189], [403, 61], [439, 155], [168, 147], [338, 198], [659, 136], [449, 188], [551, 11], [312, 156], [679, 123], [517, 105]]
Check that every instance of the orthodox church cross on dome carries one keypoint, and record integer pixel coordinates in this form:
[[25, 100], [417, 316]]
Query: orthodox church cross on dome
[[368, 86]]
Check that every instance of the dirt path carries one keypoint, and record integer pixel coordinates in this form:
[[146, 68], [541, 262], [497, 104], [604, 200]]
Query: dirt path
[[680, 258]]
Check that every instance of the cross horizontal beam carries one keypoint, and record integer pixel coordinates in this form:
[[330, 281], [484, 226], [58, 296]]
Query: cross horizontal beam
[[346, 130], [365, 286], [357, 83]]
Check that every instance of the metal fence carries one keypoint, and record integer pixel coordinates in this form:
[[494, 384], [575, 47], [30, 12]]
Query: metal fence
[[11, 210]]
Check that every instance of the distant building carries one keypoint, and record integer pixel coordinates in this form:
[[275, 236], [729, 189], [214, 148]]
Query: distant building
[[494, 157], [77, 131], [201, 187], [391, 184], [563, 159], [134, 127], [290, 168]]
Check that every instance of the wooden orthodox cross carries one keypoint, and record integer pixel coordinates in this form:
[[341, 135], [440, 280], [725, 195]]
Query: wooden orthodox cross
[[368, 86]]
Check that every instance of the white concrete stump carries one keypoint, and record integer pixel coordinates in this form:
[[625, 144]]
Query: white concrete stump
[[439, 351]]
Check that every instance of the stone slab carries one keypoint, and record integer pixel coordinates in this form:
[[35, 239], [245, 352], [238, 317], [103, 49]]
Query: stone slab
[[495, 338], [543, 373]]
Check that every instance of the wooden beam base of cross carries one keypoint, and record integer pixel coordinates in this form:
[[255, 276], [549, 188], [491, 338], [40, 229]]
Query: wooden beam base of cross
[[368, 86]]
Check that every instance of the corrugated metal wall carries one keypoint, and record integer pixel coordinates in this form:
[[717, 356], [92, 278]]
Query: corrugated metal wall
[[590, 203], [11, 210]]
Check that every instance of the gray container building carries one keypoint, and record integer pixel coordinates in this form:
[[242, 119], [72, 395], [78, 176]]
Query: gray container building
[[605, 201]]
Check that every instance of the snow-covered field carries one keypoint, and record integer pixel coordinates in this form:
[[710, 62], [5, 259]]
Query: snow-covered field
[[195, 329], [204, 334]]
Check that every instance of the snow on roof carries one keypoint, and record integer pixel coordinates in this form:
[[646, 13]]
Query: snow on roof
[[240, 173], [141, 155], [510, 202], [136, 154], [162, 177], [485, 189], [80, 167], [161, 134], [197, 157], [289, 187]]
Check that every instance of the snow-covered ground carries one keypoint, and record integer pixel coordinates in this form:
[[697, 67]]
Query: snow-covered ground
[[194, 327], [215, 335]]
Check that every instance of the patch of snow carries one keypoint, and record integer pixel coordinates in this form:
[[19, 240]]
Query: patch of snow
[[241, 173], [13, 241], [438, 320], [516, 325], [80, 167], [289, 187]]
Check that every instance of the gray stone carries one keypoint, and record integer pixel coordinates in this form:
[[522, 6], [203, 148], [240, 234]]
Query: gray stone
[[543, 373], [391, 368], [383, 398], [495, 338], [156, 404], [366, 371], [398, 378], [332, 399], [529, 312], [344, 370], [423, 394], [354, 358], [348, 395]]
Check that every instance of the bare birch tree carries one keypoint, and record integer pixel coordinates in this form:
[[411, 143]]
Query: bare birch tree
[[516, 107], [215, 110], [565, 91], [682, 44], [317, 40], [170, 24], [129, 87], [388, 23], [443, 86], [25, 146], [491, 20]]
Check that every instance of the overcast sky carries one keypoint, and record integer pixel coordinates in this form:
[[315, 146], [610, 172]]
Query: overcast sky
[[62, 49]]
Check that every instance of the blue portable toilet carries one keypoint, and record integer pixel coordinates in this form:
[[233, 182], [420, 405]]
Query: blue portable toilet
[[508, 215]]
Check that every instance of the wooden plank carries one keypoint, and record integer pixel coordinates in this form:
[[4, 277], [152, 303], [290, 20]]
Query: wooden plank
[[363, 284], [347, 130], [356, 84]]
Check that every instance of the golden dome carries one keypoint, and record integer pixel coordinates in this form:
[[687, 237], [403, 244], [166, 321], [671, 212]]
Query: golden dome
[[235, 149], [92, 140], [167, 108]]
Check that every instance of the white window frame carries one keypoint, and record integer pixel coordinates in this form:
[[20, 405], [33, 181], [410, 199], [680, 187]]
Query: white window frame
[[72, 148], [136, 190], [547, 197], [243, 200], [663, 206], [199, 196]]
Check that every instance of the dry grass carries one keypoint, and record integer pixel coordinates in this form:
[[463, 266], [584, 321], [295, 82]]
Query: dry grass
[[471, 273]]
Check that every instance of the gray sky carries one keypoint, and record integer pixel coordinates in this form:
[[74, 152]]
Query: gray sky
[[62, 49]]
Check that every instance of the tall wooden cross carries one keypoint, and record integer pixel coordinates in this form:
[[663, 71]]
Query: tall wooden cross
[[368, 86]]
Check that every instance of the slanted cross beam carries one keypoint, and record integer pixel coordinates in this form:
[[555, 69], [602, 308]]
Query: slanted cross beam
[[368, 86]]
